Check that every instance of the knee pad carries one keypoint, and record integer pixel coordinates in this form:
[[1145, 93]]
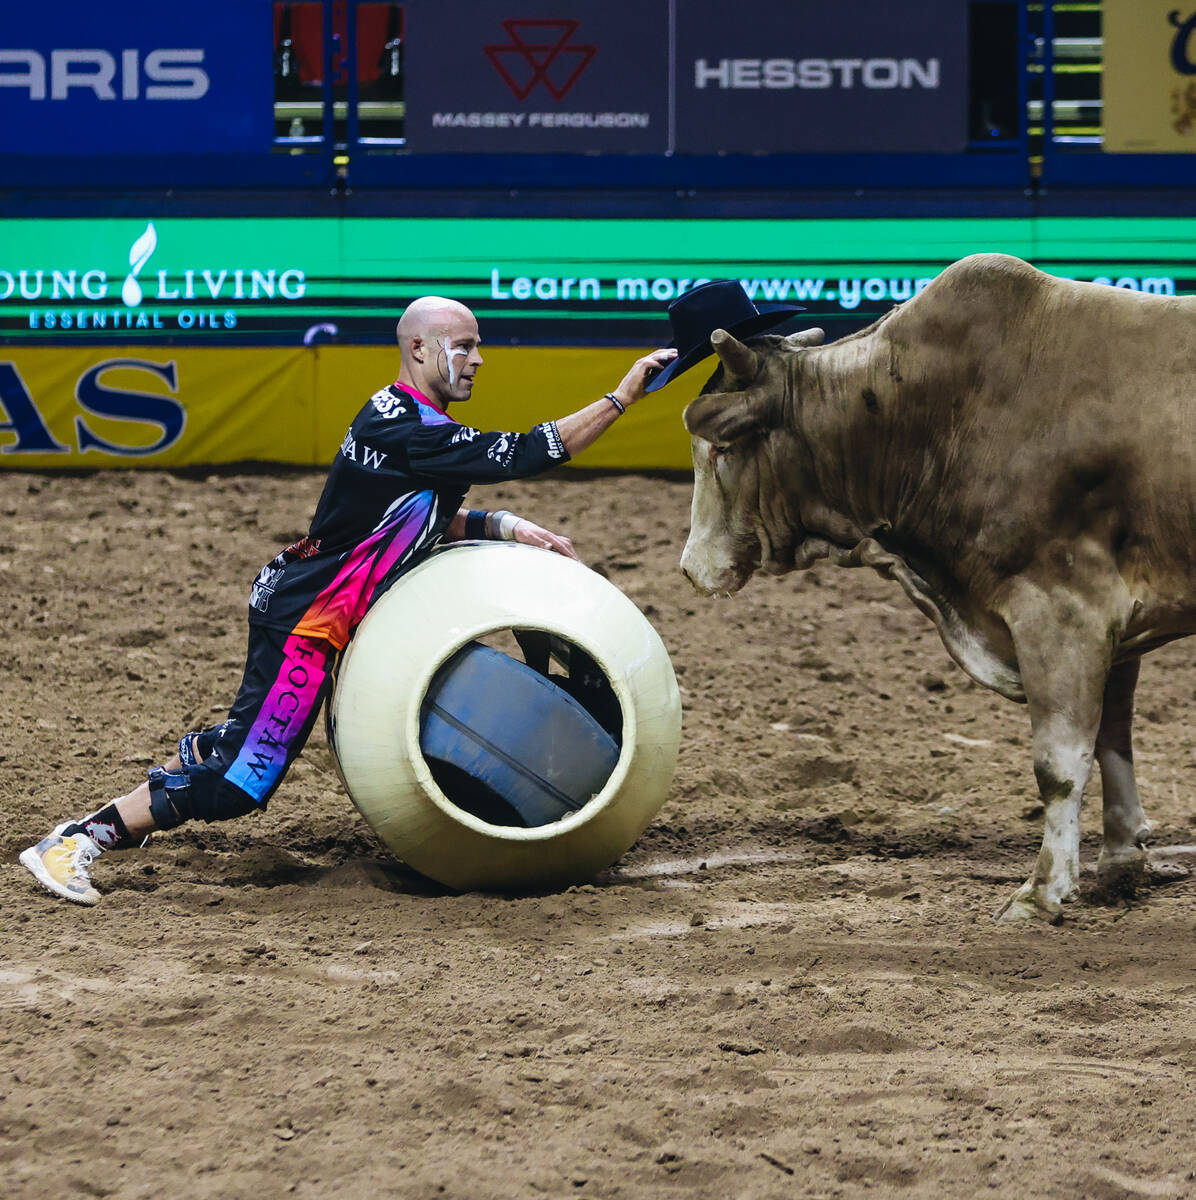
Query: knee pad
[[168, 796], [195, 793]]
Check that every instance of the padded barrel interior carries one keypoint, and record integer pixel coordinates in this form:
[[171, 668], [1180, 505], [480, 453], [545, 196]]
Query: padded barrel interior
[[508, 744]]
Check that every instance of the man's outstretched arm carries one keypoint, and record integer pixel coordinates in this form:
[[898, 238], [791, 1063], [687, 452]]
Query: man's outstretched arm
[[577, 431]]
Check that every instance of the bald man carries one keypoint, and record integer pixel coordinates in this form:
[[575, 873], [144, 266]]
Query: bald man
[[394, 491]]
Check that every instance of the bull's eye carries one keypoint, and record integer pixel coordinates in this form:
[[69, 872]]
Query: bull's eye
[[717, 452]]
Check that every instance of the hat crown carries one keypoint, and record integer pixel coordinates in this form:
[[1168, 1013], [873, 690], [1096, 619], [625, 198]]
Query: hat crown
[[719, 304]]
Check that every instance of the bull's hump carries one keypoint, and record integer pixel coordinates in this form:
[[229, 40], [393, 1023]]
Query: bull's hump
[[984, 282]]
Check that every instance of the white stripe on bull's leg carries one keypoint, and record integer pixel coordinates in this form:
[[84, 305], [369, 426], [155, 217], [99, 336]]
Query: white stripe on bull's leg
[[1122, 863], [1063, 754], [1061, 639]]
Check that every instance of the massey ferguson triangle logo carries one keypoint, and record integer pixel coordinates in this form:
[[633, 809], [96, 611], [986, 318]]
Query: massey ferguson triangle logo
[[538, 53]]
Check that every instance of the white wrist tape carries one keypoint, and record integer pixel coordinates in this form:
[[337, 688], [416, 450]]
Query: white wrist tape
[[500, 525]]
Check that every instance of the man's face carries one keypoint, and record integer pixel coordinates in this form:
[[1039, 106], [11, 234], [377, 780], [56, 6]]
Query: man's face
[[454, 355]]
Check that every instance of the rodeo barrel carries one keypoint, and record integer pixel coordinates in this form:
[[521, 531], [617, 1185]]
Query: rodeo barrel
[[505, 718]]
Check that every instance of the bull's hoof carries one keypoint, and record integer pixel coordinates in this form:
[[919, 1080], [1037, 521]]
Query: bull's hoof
[[1120, 876], [1123, 876], [1031, 903]]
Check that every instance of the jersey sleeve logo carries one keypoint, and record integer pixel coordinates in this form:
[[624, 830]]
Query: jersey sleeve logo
[[503, 450], [552, 436]]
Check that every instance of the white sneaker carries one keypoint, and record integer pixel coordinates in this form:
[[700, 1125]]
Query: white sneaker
[[60, 865]]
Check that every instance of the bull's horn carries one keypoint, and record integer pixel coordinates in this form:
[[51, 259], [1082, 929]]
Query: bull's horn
[[738, 360], [807, 337]]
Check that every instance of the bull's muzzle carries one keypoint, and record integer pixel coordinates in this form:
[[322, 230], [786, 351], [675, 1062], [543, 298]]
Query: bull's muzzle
[[711, 578]]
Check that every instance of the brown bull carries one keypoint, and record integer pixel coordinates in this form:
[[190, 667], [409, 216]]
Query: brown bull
[[1019, 453]]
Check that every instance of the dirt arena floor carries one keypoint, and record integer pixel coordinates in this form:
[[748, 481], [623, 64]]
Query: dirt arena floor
[[792, 985]]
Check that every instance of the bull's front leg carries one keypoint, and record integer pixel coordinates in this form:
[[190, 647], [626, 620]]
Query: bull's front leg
[[1063, 750], [1122, 864], [1063, 652]]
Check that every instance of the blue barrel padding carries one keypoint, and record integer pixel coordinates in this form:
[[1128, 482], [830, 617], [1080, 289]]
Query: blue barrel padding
[[517, 733]]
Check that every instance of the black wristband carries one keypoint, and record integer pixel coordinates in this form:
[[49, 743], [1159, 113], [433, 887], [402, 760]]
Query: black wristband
[[616, 402], [475, 524]]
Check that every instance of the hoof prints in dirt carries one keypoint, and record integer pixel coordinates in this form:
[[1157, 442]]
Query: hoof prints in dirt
[[791, 985]]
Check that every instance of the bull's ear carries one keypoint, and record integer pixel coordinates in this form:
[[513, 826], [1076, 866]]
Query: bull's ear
[[807, 337], [722, 419], [739, 361]]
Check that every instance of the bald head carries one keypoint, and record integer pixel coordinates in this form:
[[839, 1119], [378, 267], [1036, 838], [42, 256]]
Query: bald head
[[429, 316], [438, 340]]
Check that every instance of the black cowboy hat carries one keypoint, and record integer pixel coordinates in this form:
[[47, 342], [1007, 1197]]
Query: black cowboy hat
[[719, 304]]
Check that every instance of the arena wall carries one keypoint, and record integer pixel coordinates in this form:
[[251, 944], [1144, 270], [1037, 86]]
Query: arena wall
[[177, 406]]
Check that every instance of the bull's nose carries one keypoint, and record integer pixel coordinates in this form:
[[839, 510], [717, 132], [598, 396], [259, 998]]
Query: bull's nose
[[700, 588]]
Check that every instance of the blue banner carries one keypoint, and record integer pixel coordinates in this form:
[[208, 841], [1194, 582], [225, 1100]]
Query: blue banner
[[139, 77]]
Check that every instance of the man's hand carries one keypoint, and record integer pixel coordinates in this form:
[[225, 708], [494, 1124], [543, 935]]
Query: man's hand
[[631, 388], [531, 534]]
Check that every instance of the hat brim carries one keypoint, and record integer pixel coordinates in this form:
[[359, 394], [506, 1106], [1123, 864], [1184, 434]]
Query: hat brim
[[768, 316]]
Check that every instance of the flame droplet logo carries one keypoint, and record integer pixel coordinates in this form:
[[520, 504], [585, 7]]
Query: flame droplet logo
[[139, 255]]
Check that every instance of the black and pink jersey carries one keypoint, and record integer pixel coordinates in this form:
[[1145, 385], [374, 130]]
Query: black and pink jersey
[[399, 478]]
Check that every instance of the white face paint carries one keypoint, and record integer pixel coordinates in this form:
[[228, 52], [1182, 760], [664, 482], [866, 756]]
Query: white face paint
[[449, 354]]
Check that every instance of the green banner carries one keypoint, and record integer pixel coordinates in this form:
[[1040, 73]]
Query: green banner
[[549, 282]]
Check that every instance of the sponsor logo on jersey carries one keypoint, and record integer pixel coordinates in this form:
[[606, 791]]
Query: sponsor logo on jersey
[[304, 548], [552, 435], [387, 404], [360, 453], [263, 587], [503, 450]]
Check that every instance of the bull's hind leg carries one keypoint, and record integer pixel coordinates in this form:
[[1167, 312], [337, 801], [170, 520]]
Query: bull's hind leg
[[1063, 651], [1122, 864]]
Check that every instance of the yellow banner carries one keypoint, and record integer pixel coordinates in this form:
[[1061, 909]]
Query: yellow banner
[[1149, 76], [197, 406]]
